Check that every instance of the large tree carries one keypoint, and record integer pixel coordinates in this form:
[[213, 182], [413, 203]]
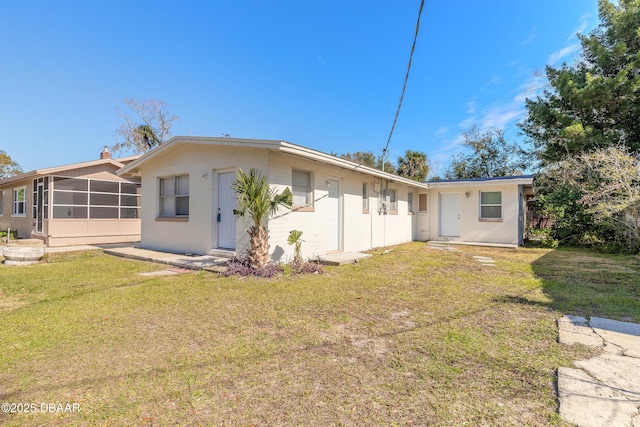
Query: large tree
[[595, 102], [258, 200], [594, 196], [147, 124], [8, 167], [413, 165], [367, 158], [487, 154]]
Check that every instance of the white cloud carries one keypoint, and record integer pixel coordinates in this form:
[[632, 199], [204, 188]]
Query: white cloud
[[555, 57], [531, 37], [471, 107], [499, 115], [442, 130], [584, 24]]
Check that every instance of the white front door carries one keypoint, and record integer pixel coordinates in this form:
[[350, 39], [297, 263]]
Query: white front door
[[450, 215], [225, 218], [333, 216]]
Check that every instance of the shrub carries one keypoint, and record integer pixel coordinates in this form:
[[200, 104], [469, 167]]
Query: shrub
[[241, 266]]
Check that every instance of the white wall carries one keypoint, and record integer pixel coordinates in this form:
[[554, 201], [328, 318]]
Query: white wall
[[201, 162], [472, 229], [361, 231]]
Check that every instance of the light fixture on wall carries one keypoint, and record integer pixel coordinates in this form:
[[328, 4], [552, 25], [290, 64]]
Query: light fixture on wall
[[205, 175], [467, 194], [327, 183]]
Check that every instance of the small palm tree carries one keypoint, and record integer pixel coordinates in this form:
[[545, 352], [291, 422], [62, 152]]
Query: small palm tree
[[259, 201], [295, 239]]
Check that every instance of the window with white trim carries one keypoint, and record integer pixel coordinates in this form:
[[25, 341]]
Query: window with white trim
[[422, 202], [301, 188], [491, 205], [365, 198], [174, 196], [19, 201], [82, 198], [390, 196], [1, 203]]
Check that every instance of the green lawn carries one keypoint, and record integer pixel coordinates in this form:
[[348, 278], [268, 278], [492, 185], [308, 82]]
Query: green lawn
[[414, 337]]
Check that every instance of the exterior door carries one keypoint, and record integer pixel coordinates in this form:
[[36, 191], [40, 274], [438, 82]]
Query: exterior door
[[333, 216], [450, 215], [225, 218], [39, 206]]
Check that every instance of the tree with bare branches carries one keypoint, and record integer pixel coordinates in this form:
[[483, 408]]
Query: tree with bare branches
[[147, 124]]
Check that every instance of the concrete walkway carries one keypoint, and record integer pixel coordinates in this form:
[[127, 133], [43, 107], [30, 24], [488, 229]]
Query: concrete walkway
[[196, 262], [604, 390], [340, 258]]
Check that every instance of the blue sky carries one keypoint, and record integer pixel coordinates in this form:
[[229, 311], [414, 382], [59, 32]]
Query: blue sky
[[326, 74]]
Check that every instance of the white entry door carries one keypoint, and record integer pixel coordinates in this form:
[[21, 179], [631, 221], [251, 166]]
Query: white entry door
[[333, 216], [450, 215], [225, 218]]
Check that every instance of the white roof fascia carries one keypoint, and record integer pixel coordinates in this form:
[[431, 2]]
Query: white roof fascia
[[57, 169], [482, 183], [274, 145], [308, 153]]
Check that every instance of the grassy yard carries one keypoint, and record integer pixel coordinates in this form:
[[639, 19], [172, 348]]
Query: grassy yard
[[414, 337]]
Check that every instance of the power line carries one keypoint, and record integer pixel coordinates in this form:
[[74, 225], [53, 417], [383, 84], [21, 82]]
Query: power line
[[404, 87]]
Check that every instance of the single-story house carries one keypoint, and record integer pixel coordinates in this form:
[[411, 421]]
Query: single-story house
[[82, 203], [187, 201]]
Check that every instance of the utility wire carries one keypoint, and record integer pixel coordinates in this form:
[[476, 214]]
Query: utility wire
[[404, 87]]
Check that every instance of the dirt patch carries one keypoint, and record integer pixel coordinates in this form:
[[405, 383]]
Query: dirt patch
[[596, 264], [8, 303]]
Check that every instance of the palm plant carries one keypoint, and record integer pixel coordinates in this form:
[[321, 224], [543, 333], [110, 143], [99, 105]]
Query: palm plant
[[259, 201], [295, 239]]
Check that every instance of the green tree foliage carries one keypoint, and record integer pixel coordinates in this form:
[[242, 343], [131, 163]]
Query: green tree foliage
[[487, 154], [594, 197], [147, 124], [8, 167], [413, 165], [258, 201], [367, 158], [594, 103]]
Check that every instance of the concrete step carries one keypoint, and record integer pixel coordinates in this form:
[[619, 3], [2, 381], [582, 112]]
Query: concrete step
[[25, 242], [222, 253]]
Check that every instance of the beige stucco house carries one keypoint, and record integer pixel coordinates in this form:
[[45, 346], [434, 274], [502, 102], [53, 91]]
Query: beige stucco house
[[82, 203], [187, 202]]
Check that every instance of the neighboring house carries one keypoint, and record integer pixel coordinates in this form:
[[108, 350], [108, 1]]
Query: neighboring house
[[187, 202], [82, 203]]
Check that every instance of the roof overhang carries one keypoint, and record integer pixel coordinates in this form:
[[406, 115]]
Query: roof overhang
[[525, 180], [133, 168], [118, 163]]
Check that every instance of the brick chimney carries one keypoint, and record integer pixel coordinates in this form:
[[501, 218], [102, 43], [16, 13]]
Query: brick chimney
[[105, 153]]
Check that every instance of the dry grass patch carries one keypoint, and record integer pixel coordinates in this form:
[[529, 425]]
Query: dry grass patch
[[413, 337]]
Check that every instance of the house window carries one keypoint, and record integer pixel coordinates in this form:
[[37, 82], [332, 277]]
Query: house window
[[410, 202], [491, 205], [82, 198], [174, 196], [365, 198], [1, 203], [422, 203], [301, 188], [392, 202], [19, 201]]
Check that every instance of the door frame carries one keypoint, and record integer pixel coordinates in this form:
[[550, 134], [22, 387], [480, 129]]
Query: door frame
[[216, 207], [340, 229], [440, 215]]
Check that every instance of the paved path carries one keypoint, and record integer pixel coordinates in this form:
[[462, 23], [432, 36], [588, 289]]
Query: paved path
[[198, 262], [604, 390]]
